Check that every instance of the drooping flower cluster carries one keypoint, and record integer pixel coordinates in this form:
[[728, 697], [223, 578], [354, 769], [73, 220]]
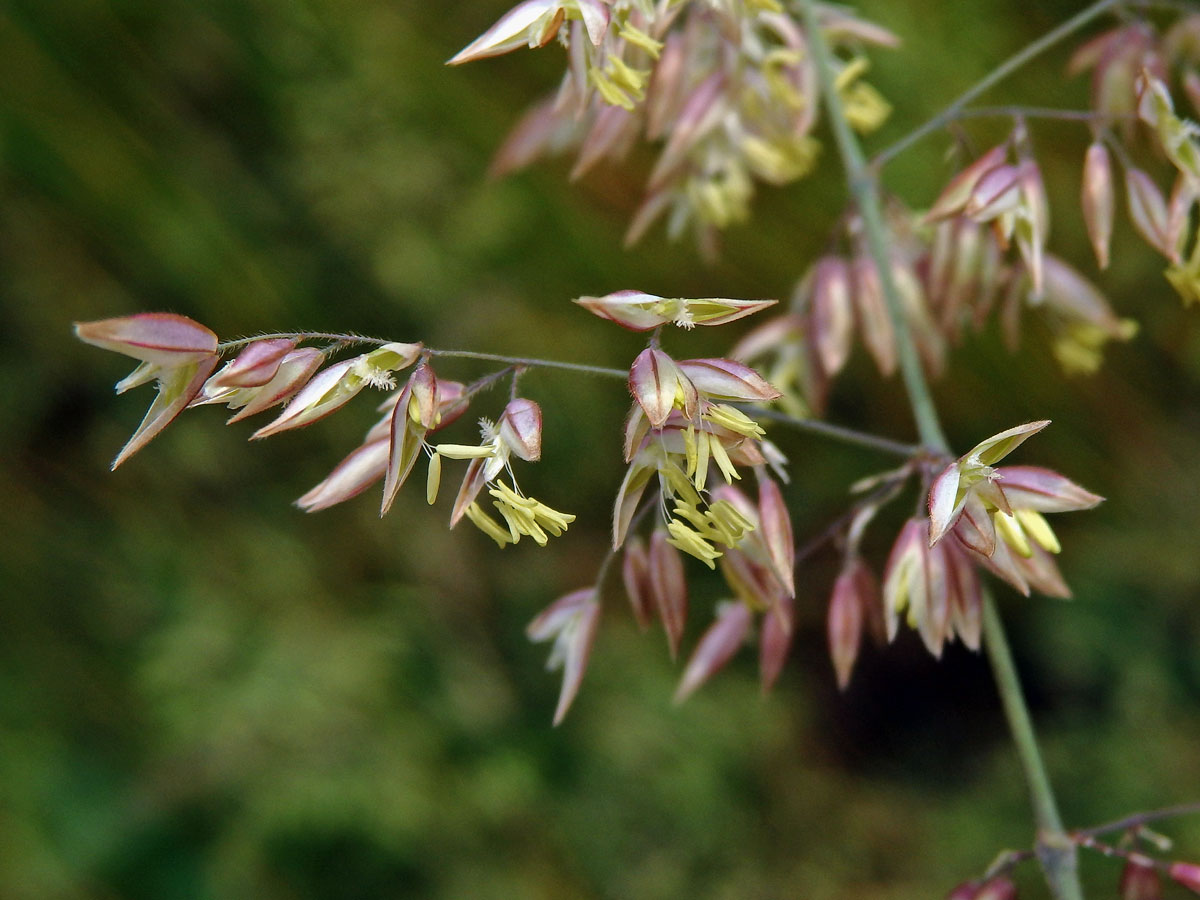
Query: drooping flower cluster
[[182, 354], [980, 515], [728, 88]]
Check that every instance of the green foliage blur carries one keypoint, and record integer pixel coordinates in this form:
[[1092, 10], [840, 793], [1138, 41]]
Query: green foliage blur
[[205, 693]]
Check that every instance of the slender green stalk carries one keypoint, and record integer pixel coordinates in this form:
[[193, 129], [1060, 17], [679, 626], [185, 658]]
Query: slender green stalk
[[1055, 850], [837, 432], [998, 74], [865, 189]]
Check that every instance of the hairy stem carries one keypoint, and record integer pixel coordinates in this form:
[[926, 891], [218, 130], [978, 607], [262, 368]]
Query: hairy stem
[[1055, 850], [998, 74]]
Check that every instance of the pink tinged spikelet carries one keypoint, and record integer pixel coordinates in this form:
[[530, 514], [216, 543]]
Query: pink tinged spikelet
[[1098, 199], [1148, 212], [717, 646], [958, 192], [668, 588], [294, 372], [415, 413], [1140, 879], [635, 575], [255, 365], [965, 595], [1043, 490], [639, 311], [164, 340], [363, 467], [776, 532], [832, 313], [1186, 874], [775, 639], [874, 323], [177, 388], [532, 23], [845, 624], [611, 135], [324, 394], [333, 388], [633, 485], [965, 891], [521, 429], [1000, 887], [726, 379], [571, 622], [997, 192], [657, 384], [701, 113]]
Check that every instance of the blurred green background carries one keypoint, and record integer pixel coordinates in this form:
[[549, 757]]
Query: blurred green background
[[207, 694]]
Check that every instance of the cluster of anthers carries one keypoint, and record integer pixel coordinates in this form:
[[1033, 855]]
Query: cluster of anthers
[[728, 87]]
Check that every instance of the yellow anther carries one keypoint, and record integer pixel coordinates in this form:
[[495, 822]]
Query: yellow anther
[[689, 450], [1010, 530], [721, 458], [853, 69], [639, 38], [700, 478], [691, 543], [734, 420], [626, 77], [465, 451], [1034, 524], [612, 94], [865, 107], [488, 525], [679, 485], [434, 480], [729, 521]]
